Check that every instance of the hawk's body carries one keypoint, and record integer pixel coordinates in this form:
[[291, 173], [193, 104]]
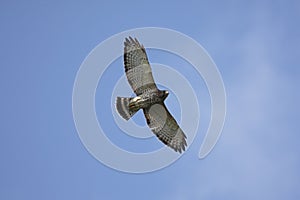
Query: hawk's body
[[149, 98]]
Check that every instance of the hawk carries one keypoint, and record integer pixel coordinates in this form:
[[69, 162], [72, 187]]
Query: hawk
[[148, 97]]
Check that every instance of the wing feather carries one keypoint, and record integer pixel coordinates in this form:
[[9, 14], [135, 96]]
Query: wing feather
[[165, 127], [137, 67]]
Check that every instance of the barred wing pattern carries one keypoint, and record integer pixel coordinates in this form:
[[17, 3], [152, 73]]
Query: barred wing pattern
[[139, 76], [137, 67], [165, 127]]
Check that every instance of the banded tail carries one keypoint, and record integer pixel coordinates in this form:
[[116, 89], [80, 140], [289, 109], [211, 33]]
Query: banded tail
[[122, 105]]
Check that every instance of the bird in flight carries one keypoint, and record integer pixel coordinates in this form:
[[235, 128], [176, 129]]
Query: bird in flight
[[148, 97]]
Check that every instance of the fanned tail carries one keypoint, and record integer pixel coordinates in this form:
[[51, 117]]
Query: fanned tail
[[122, 105]]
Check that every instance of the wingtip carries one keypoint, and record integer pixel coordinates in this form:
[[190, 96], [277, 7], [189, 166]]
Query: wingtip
[[132, 41], [182, 146]]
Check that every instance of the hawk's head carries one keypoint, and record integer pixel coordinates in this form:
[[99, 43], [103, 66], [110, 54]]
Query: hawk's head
[[164, 94]]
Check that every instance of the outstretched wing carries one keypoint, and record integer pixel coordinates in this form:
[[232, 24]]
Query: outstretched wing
[[164, 126], [137, 67]]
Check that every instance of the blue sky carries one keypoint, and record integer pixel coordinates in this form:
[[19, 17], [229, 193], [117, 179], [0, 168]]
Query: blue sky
[[256, 48]]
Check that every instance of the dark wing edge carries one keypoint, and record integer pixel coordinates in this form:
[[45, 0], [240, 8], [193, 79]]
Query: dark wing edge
[[165, 127], [137, 67]]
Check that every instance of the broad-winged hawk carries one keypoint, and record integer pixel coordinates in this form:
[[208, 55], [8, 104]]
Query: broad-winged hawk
[[149, 98]]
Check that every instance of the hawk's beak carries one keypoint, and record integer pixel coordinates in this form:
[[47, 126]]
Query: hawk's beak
[[166, 93]]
